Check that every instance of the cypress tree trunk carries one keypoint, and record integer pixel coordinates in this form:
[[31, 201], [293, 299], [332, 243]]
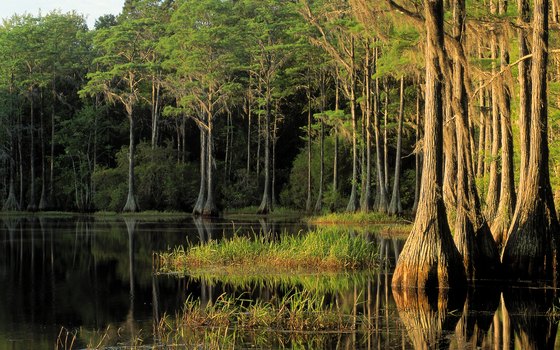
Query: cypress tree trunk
[[531, 250], [319, 202], [32, 206], [417, 156], [524, 88], [395, 205], [506, 205], [450, 151], [308, 201], [131, 204], [199, 205], [11, 203], [493, 194], [472, 234], [43, 200], [385, 139], [429, 258], [266, 202], [210, 208], [369, 67], [353, 200], [382, 192], [481, 137]]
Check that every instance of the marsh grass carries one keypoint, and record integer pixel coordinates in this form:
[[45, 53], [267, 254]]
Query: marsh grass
[[358, 218], [318, 250]]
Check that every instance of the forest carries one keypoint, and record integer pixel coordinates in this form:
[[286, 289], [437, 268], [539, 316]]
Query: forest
[[205, 106]]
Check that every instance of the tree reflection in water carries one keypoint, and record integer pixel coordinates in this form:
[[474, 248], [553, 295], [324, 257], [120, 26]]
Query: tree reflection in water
[[429, 317]]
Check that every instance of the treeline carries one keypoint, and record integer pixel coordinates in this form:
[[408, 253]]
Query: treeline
[[203, 105]]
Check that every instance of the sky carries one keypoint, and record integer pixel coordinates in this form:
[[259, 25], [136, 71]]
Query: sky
[[91, 9]]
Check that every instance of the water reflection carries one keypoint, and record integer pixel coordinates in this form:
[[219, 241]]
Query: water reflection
[[95, 278]]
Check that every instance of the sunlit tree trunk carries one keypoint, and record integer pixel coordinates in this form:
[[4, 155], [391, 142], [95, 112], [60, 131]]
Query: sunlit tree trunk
[[531, 250], [395, 205], [429, 258]]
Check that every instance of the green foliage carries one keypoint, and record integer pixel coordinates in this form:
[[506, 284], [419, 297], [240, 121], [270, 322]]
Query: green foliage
[[162, 182]]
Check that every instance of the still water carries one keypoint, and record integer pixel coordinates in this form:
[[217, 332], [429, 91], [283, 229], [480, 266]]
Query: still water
[[81, 282]]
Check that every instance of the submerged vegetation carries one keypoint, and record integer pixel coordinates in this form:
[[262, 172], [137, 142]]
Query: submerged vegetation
[[319, 250]]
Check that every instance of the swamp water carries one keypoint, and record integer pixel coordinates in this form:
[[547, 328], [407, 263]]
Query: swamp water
[[84, 282]]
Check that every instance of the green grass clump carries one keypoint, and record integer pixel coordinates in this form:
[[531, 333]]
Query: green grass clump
[[322, 249], [354, 218]]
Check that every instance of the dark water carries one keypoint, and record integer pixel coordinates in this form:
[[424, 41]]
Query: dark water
[[94, 279]]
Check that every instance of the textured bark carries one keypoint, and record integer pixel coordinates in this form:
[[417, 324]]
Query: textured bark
[[524, 67], [370, 67], [266, 203], [493, 193], [472, 234], [353, 202], [199, 205], [395, 206], [417, 156], [210, 209], [531, 250], [450, 152], [481, 137], [507, 200], [429, 258], [131, 204], [382, 190]]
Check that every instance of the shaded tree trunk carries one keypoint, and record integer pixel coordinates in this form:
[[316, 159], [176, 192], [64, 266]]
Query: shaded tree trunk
[[471, 235], [395, 205], [382, 192], [370, 66], [308, 201], [531, 250], [417, 156], [319, 202], [266, 203], [199, 205], [493, 194], [353, 200], [429, 258], [32, 205], [507, 199], [210, 208], [131, 204]]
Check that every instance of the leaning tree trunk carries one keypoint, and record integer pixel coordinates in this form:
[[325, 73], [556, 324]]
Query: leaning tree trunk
[[429, 258], [395, 205], [199, 205], [210, 208], [531, 250], [472, 235], [506, 205], [131, 204]]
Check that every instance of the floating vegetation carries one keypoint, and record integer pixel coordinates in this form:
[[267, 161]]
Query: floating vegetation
[[319, 250]]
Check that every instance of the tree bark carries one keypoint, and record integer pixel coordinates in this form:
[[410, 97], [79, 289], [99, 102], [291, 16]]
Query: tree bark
[[308, 201], [319, 202], [370, 66], [131, 204], [382, 197], [353, 200], [417, 156], [493, 193], [450, 152], [199, 205], [266, 203], [471, 235], [210, 208], [395, 206], [524, 67], [531, 250], [32, 206], [429, 258], [507, 199]]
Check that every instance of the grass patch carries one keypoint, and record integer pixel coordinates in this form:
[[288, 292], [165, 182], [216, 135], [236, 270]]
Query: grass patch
[[357, 218], [318, 250]]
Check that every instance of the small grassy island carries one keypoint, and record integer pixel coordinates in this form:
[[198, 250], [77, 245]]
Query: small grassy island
[[319, 250]]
